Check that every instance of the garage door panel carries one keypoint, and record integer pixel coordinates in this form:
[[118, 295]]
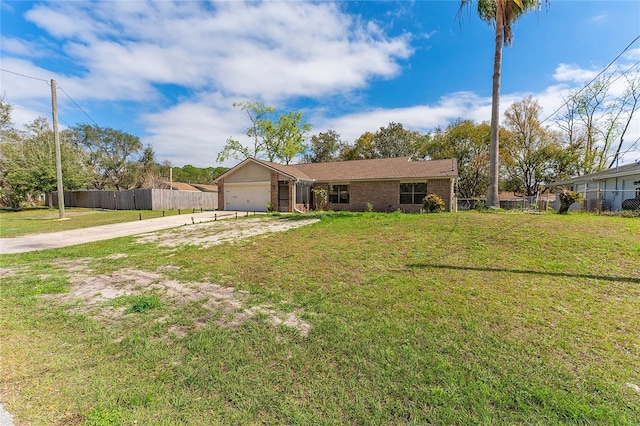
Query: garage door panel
[[249, 197]]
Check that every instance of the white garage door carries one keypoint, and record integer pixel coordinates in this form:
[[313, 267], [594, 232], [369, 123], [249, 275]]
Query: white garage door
[[247, 197]]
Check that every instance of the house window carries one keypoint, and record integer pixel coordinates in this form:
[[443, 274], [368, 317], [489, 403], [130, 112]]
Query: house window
[[413, 193], [339, 194]]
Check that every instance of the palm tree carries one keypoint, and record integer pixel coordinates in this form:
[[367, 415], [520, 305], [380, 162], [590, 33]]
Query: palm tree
[[502, 14]]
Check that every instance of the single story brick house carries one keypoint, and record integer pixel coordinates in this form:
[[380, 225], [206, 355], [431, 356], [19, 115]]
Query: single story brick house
[[383, 184], [607, 189]]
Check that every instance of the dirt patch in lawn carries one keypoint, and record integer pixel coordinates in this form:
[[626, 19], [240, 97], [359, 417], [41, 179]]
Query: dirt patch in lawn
[[97, 295], [107, 297], [213, 233], [8, 272]]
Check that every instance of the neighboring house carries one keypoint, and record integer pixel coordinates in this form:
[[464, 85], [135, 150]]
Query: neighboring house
[[606, 190], [384, 184], [205, 188], [180, 186]]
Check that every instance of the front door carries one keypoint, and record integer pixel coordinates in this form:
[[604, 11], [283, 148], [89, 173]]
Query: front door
[[283, 196]]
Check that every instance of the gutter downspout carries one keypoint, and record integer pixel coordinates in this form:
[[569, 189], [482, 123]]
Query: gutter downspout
[[452, 197]]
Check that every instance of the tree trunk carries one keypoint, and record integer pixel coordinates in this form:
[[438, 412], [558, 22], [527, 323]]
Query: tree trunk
[[493, 199]]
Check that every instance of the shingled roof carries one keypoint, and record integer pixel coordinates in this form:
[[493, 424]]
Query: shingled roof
[[624, 170], [374, 169]]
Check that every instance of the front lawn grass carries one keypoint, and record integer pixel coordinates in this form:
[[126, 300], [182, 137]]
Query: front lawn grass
[[43, 220], [461, 318]]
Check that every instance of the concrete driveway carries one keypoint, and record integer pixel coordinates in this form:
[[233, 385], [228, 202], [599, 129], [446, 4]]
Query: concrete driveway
[[105, 232]]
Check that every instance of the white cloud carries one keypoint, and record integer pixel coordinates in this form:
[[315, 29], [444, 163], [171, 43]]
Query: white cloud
[[423, 118], [599, 19], [194, 132], [632, 54], [20, 88], [573, 73], [120, 51], [19, 47], [267, 50]]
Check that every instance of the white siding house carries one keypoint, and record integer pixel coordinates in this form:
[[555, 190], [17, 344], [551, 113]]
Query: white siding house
[[606, 190]]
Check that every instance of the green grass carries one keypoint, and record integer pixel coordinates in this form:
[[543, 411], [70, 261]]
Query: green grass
[[461, 318], [42, 220]]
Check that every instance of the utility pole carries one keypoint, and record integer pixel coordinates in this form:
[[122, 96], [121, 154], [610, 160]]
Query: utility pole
[[171, 187], [56, 138]]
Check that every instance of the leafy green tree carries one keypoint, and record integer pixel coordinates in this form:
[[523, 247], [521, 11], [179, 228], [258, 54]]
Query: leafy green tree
[[113, 155], [395, 141], [324, 147], [502, 14], [146, 172], [391, 141], [7, 128], [531, 148], [28, 165], [259, 132], [287, 138], [192, 174], [362, 149], [469, 144], [281, 139]]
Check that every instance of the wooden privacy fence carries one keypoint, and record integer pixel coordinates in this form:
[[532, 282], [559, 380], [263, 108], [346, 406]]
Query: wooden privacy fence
[[139, 199]]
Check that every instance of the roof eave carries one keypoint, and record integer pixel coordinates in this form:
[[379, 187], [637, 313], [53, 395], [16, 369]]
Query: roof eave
[[385, 179], [586, 178]]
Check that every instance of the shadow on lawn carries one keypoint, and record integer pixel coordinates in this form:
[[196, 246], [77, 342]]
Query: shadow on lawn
[[522, 271]]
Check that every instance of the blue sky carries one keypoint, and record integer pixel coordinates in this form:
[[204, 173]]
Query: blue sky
[[169, 71]]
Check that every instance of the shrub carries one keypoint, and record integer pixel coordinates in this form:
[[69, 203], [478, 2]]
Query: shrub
[[567, 198], [321, 197], [433, 204]]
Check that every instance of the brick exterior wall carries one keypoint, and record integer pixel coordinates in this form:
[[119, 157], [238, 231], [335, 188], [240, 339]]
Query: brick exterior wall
[[443, 188], [292, 199], [221, 205], [274, 191], [384, 196]]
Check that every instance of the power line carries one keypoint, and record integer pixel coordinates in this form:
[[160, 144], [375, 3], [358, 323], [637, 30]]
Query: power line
[[60, 87], [623, 73], [633, 145], [24, 75], [593, 79], [76, 104]]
